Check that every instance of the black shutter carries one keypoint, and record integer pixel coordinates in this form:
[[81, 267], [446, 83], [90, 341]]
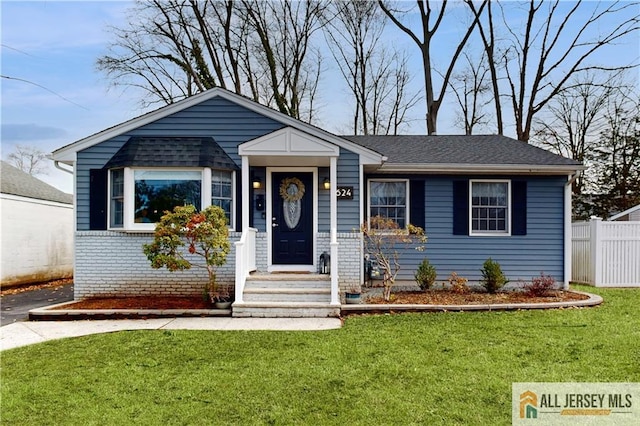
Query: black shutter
[[98, 199], [519, 206], [460, 207], [416, 203]]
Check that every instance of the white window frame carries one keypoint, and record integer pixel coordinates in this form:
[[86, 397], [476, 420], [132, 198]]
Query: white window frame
[[129, 224], [485, 233], [406, 206], [232, 219]]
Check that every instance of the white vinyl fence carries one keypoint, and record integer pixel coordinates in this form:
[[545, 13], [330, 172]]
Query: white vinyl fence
[[606, 254]]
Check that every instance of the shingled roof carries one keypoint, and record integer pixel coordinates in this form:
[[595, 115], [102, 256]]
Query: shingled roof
[[460, 149], [171, 152], [16, 182]]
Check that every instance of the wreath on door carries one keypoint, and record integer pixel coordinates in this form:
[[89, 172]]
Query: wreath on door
[[291, 189]]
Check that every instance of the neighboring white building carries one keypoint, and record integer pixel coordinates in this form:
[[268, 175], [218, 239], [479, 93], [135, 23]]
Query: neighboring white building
[[36, 229], [629, 215]]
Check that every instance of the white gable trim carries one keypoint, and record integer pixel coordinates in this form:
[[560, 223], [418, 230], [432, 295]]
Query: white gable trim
[[288, 142], [67, 154], [624, 213]]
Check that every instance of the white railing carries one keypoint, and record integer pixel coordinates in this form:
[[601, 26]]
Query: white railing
[[606, 254], [245, 259]]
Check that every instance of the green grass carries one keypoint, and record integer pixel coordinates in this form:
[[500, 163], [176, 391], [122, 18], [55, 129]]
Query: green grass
[[434, 368]]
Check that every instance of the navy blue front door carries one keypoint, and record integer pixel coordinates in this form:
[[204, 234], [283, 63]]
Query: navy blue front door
[[292, 218]]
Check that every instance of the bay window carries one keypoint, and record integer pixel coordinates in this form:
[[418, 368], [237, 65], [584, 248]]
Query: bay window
[[140, 196]]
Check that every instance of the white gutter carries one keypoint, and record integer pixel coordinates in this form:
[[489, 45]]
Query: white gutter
[[567, 228], [56, 163], [479, 168]]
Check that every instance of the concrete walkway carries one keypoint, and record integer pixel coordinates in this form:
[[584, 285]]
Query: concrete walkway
[[28, 333]]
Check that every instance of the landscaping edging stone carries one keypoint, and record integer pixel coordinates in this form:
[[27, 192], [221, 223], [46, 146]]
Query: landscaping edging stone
[[54, 313], [593, 300]]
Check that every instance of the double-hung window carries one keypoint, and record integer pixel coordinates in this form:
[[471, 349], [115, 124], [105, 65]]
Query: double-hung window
[[489, 204], [222, 192], [389, 199]]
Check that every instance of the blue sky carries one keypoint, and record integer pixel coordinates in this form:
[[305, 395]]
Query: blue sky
[[55, 45]]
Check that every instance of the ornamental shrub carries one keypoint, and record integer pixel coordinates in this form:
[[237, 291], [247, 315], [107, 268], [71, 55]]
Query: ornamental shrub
[[458, 284], [492, 277], [425, 275], [540, 286], [185, 238]]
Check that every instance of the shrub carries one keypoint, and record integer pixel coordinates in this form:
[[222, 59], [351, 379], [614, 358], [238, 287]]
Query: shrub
[[540, 286], [492, 277], [384, 240], [458, 284], [185, 238], [425, 275]]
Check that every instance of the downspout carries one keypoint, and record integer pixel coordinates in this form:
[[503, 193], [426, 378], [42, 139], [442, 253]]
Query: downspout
[[567, 228]]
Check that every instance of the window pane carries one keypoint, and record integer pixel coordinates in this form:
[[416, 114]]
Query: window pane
[[117, 199], [489, 206], [160, 191], [222, 191], [389, 199]]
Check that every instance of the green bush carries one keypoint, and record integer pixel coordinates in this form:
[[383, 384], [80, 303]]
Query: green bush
[[425, 275], [492, 277]]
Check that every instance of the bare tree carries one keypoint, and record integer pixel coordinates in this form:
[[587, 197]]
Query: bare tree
[[618, 155], [378, 78], [177, 48], [470, 87], [553, 44], [430, 26], [492, 52], [29, 159], [572, 121]]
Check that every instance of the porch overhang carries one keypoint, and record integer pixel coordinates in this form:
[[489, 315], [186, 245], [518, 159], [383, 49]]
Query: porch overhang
[[276, 149]]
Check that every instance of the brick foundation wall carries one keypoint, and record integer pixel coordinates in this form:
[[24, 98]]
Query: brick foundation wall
[[350, 253], [112, 264]]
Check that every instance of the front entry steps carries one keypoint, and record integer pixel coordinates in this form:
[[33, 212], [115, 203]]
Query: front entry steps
[[286, 296]]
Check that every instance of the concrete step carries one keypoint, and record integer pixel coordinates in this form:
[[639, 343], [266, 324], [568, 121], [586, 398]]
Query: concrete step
[[287, 295], [288, 281], [284, 310]]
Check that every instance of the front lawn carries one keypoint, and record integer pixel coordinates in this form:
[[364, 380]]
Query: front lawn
[[433, 368]]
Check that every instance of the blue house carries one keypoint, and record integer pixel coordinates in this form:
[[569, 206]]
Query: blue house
[[293, 192]]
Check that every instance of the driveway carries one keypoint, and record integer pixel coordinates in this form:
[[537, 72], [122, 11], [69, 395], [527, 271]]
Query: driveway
[[16, 307]]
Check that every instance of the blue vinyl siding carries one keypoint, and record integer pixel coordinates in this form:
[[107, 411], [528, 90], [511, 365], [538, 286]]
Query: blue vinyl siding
[[521, 257], [348, 210], [229, 124]]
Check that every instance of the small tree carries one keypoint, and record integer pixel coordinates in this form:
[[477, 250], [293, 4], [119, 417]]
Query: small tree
[[184, 236], [492, 277], [385, 241]]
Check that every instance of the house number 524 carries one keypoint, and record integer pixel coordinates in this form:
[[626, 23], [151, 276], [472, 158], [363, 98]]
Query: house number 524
[[345, 192]]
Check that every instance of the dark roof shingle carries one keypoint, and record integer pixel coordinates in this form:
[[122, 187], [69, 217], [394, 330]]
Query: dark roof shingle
[[460, 149], [171, 152]]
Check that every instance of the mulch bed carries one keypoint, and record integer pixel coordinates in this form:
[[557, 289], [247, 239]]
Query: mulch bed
[[432, 297], [151, 302], [445, 297]]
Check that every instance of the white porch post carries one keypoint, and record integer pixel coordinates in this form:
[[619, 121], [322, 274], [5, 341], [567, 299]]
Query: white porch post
[[567, 234], [245, 193], [333, 178]]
